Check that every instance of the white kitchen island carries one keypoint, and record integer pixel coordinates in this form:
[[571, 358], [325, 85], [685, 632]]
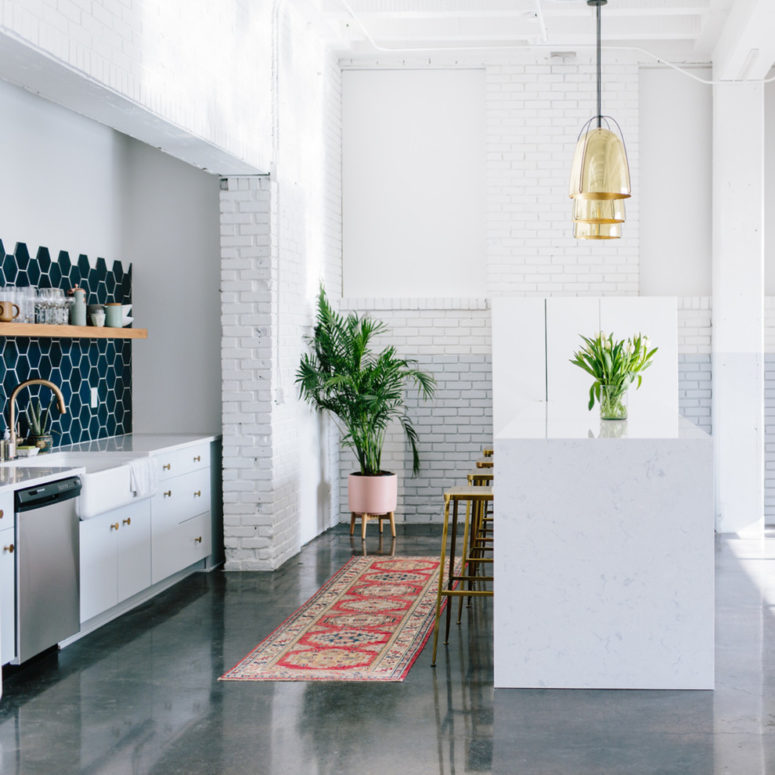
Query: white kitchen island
[[604, 559]]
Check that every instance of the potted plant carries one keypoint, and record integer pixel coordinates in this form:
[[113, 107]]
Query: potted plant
[[37, 423], [614, 366], [363, 390]]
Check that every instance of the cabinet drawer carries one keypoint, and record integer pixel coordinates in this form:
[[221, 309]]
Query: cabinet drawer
[[182, 461], [177, 546], [6, 510], [181, 498]]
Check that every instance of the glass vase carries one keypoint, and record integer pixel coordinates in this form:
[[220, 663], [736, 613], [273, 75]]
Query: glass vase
[[613, 403]]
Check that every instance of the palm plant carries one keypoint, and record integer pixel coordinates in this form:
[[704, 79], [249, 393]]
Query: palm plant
[[361, 388]]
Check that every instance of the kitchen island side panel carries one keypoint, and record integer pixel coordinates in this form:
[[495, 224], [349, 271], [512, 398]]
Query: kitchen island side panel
[[604, 563]]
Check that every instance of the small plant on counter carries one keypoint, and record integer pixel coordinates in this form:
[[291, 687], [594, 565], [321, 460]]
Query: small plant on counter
[[37, 423], [614, 366]]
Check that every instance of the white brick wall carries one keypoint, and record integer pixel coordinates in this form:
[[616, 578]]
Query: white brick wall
[[280, 460], [535, 112]]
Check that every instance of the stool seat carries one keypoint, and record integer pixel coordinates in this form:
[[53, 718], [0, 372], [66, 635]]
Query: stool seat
[[468, 493], [480, 477], [486, 463]]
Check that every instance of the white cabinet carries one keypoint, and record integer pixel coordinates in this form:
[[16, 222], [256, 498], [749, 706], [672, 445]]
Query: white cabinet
[[7, 595], [115, 557], [181, 510]]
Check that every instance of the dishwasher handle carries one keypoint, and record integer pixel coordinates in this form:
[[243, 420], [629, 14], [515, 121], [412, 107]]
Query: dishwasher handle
[[51, 492]]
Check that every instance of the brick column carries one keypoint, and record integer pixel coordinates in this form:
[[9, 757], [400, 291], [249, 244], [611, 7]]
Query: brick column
[[246, 363]]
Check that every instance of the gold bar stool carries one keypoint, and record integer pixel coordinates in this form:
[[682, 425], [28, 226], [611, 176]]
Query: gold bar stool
[[481, 534], [488, 452], [473, 497], [485, 463]]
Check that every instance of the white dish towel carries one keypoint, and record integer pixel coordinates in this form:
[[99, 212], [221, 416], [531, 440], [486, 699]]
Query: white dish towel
[[142, 477]]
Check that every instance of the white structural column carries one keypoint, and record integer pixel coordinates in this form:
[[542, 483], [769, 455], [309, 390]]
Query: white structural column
[[738, 306]]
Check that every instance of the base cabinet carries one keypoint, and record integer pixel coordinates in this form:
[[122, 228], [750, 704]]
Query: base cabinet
[[7, 595], [115, 557], [181, 511]]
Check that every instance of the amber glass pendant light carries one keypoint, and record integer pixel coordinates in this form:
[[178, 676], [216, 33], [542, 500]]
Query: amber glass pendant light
[[600, 175]]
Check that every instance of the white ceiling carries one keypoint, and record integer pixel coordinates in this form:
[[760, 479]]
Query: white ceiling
[[683, 30]]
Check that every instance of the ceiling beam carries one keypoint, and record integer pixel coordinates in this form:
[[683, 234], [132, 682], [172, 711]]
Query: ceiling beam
[[746, 46]]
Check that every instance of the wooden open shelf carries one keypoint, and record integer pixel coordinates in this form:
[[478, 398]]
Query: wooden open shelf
[[44, 330]]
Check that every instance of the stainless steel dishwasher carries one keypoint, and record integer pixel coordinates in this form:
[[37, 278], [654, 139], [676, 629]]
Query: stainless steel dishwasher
[[47, 566]]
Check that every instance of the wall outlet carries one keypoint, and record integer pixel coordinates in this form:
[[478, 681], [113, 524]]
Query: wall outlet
[[95, 398]]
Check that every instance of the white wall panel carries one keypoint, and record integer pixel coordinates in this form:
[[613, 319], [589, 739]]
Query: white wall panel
[[566, 319], [518, 356], [414, 183], [656, 317]]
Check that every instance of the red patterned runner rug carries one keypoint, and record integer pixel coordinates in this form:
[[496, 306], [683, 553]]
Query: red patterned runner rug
[[369, 622]]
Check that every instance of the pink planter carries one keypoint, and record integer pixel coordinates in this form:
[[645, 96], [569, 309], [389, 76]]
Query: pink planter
[[372, 494]]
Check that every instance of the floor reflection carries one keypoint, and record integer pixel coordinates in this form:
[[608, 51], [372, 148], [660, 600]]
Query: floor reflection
[[141, 695]]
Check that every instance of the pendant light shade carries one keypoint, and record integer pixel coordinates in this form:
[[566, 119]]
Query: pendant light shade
[[598, 210], [600, 169], [600, 174], [597, 230]]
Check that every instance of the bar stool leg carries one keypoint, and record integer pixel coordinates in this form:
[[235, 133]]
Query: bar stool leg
[[441, 580], [452, 566], [467, 568]]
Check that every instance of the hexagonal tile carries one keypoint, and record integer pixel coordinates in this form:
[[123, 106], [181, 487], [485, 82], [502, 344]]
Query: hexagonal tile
[[22, 255]]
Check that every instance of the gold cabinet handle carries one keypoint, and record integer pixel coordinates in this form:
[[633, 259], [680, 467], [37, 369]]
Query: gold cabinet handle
[[166, 467], [198, 459], [127, 521], [198, 540], [198, 494], [168, 493], [2, 513], [114, 525], [8, 548]]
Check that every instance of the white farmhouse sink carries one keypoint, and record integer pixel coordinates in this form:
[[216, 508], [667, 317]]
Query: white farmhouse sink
[[106, 484]]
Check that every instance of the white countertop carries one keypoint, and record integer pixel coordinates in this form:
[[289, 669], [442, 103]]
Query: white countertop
[[538, 420], [15, 474], [141, 443]]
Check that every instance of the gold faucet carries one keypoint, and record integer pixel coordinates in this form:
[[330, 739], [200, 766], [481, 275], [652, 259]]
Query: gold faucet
[[54, 388]]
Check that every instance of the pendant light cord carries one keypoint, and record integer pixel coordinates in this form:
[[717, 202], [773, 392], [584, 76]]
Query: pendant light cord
[[599, 74]]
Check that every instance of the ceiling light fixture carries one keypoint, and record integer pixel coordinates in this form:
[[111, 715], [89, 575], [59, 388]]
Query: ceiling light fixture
[[600, 175]]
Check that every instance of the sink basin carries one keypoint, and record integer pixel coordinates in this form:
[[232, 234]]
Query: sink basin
[[106, 484]]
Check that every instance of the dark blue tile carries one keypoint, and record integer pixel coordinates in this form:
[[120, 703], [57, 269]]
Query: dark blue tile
[[83, 267], [101, 269], [64, 262], [54, 276], [10, 268], [33, 273], [44, 259], [22, 255]]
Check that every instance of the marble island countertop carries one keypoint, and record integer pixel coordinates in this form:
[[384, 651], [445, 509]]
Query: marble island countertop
[[540, 420]]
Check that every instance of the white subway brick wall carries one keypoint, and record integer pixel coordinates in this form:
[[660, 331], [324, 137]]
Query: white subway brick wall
[[535, 112]]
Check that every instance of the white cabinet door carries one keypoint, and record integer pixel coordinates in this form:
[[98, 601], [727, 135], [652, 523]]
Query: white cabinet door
[[134, 550], [7, 596], [566, 318], [99, 580], [518, 356], [657, 317]]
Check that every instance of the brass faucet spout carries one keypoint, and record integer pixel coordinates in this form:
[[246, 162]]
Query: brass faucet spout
[[57, 392]]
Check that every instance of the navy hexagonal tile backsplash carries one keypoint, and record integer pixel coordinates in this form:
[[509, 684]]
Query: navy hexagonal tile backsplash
[[74, 365]]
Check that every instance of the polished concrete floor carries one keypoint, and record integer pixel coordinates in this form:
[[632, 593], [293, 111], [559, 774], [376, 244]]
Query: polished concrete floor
[[141, 695]]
